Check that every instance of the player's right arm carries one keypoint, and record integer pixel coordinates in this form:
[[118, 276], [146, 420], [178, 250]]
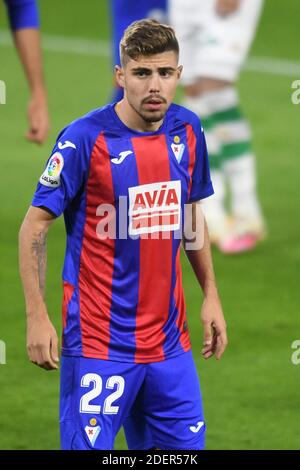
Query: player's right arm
[[62, 180], [42, 342]]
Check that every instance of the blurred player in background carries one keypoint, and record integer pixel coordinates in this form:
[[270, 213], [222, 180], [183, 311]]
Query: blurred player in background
[[24, 23], [126, 349], [125, 12], [214, 38]]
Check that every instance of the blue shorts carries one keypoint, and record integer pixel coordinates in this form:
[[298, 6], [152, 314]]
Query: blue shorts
[[159, 404]]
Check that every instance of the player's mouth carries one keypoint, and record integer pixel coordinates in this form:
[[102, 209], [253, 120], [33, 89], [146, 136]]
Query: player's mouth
[[154, 104]]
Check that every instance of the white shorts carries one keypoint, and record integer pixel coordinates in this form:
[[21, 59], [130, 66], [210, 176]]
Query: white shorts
[[211, 45]]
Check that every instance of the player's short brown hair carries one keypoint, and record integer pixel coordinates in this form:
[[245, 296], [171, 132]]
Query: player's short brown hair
[[147, 37]]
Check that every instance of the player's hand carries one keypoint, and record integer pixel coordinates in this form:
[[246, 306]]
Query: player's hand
[[38, 118], [227, 7], [215, 336], [42, 341]]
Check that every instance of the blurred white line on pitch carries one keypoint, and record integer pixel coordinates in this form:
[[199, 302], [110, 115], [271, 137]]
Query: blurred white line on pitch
[[71, 45], [2, 352], [102, 48], [2, 92], [288, 68]]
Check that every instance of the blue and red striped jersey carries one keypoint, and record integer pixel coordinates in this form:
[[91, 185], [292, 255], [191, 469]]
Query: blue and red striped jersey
[[122, 193]]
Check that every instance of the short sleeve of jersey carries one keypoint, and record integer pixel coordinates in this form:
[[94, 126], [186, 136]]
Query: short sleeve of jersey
[[23, 14], [65, 172], [201, 182]]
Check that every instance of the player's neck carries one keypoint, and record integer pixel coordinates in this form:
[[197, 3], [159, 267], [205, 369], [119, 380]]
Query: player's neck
[[133, 120]]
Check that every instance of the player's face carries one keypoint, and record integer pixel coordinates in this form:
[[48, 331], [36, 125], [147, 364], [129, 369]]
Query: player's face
[[150, 84]]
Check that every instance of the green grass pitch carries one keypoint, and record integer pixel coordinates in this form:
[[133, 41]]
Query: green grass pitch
[[251, 396]]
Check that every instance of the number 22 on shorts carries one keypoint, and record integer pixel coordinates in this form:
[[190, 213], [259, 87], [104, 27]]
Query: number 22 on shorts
[[108, 407]]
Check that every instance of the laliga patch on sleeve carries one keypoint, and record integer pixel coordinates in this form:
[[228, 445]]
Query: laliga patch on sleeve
[[51, 175]]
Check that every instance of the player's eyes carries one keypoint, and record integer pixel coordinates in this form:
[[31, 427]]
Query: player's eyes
[[147, 73], [141, 73], [166, 73]]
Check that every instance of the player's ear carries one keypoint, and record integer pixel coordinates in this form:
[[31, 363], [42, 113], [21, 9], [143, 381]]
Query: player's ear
[[119, 73], [179, 71]]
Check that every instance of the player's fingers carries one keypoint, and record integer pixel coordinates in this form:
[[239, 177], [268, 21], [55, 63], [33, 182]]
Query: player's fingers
[[209, 350], [45, 365], [207, 334], [47, 362], [220, 350], [36, 356], [209, 347], [42, 131], [221, 344], [38, 126], [208, 354], [34, 135], [54, 349], [31, 136], [48, 365], [32, 354]]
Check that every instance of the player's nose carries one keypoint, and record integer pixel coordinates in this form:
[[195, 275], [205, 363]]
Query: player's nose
[[154, 83]]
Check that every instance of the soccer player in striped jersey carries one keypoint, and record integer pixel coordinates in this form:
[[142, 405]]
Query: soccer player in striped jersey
[[214, 38], [24, 22], [128, 178]]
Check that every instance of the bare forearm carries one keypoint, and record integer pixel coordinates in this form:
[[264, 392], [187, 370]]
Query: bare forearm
[[201, 262], [28, 44], [212, 318], [33, 257], [199, 254], [42, 342]]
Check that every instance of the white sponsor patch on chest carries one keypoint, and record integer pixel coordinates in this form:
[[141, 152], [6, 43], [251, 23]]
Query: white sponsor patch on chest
[[154, 207]]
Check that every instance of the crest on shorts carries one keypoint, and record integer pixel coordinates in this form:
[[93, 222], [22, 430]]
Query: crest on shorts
[[92, 432]]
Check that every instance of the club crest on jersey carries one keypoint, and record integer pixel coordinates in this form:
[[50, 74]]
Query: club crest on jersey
[[154, 207], [51, 175], [177, 148]]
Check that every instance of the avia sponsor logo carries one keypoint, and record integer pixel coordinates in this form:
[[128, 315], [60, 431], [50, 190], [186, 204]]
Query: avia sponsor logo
[[154, 207], [51, 175]]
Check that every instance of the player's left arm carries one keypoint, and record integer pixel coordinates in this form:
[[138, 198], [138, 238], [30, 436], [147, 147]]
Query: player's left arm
[[199, 255], [24, 21], [197, 247]]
